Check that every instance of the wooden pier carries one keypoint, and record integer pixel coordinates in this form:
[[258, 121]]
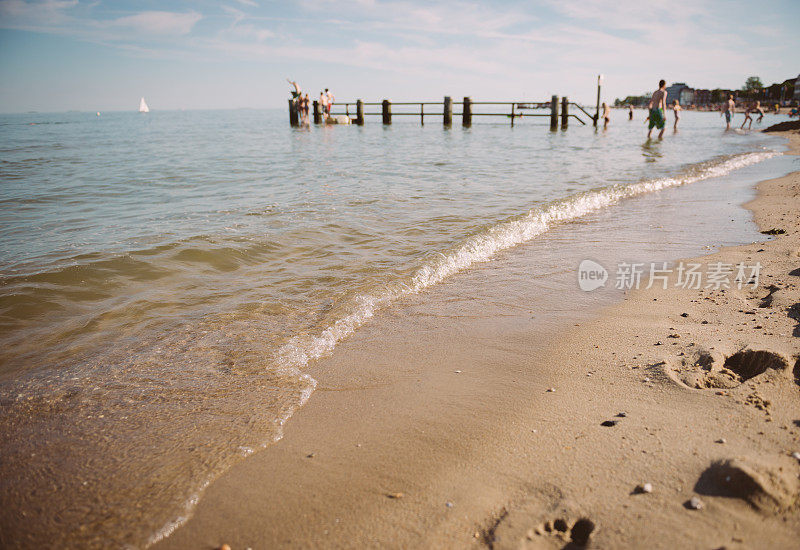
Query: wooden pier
[[444, 109], [357, 111]]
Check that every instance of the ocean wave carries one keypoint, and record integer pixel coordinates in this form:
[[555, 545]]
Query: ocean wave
[[481, 247]]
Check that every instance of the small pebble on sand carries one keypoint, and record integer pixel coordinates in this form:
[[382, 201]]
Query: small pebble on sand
[[695, 504], [609, 423], [647, 488], [395, 495], [458, 372], [796, 455], [224, 547], [448, 504], [551, 390], [721, 441]]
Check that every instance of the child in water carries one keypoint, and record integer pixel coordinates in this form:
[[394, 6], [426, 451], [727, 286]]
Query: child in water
[[676, 108], [606, 115]]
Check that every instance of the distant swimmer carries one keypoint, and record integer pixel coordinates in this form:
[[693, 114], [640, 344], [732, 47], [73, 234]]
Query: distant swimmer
[[676, 108], [630, 112], [657, 108], [728, 108], [606, 115]]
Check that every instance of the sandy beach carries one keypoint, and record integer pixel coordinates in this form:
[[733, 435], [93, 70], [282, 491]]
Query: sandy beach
[[667, 419]]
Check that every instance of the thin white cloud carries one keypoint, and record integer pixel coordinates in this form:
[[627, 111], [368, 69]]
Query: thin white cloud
[[250, 3], [160, 22]]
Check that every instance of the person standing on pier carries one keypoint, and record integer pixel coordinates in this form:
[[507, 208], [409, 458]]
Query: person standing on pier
[[323, 103], [304, 108], [657, 108], [330, 98]]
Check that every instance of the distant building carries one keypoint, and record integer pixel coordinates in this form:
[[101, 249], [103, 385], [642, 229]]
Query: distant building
[[674, 91], [797, 87], [702, 97], [686, 97]]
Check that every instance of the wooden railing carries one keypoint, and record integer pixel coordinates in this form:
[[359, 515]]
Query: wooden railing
[[355, 111]]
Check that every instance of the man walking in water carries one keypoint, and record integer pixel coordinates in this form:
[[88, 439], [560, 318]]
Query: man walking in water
[[728, 109], [657, 108]]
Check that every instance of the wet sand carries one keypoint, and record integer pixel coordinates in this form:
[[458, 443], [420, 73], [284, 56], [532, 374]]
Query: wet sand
[[478, 423]]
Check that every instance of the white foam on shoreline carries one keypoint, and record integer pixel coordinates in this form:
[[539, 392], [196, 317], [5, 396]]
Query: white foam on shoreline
[[479, 248]]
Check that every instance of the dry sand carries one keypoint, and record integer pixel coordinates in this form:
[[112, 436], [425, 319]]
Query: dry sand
[[442, 436]]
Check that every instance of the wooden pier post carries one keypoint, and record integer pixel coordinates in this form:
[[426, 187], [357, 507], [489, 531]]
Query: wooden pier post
[[317, 114], [359, 112], [597, 111], [554, 112], [422, 114], [512, 114], [466, 113], [387, 111], [564, 112], [448, 111], [294, 120]]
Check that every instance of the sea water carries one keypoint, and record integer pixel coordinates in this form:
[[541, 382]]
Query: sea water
[[165, 279]]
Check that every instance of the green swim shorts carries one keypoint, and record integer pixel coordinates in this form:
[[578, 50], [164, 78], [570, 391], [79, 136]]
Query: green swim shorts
[[656, 118]]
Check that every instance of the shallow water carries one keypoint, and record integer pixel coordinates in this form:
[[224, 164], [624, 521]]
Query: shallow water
[[167, 277]]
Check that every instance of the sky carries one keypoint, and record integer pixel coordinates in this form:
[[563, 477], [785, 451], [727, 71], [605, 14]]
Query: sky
[[96, 55]]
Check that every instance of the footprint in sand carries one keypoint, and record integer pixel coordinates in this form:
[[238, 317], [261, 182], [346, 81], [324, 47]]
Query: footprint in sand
[[561, 533], [767, 484], [703, 369]]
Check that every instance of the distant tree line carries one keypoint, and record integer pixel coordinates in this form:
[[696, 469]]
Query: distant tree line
[[753, 89]]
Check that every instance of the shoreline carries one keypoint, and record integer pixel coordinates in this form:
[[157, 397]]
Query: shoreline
[[375, 461]]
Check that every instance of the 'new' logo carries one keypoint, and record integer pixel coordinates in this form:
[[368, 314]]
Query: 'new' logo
[[591, 275]]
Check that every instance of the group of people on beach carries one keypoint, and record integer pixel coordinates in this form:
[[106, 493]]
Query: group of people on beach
[[302, 101], [658, 105]]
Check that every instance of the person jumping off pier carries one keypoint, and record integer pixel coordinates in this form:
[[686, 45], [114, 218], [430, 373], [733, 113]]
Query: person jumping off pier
[[297, 91]]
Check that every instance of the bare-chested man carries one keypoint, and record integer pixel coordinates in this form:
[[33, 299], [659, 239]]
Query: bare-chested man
[[728, 108], [657, 108]]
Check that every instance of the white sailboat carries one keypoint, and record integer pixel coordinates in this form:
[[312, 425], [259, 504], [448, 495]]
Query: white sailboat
[[143, 108]]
